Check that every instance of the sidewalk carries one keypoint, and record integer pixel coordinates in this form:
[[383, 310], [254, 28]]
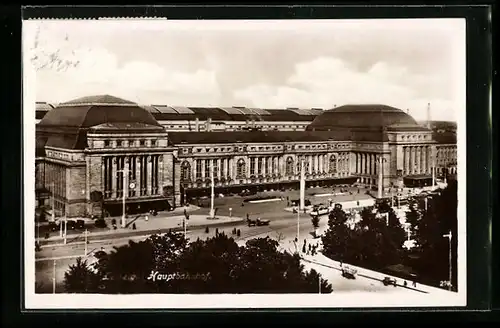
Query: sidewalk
[[319, 259], [322, 260], [143, 227], [162, 214]]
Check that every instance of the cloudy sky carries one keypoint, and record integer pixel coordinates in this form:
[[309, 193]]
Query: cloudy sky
[[268, 64]]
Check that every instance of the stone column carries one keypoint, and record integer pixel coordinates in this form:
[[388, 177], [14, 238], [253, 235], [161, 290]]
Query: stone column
[[408, 160], [412, 160], [429, 159], [203, 169], [380, 176], [149, 159], [138, 175], [114, 176], [418, 159], [126, 167], [423, 160], [404, 160], [103, 176]]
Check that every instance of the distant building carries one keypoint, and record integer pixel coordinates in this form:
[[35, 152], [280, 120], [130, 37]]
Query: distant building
[[85, 146]]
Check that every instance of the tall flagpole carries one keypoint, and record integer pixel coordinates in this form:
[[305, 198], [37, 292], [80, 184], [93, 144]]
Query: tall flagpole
[[302, 185], [212, 193], [449, 236], [124, 191], [54, 278]]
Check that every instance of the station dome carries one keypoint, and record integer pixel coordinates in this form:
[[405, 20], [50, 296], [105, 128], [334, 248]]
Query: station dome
[[365, 117], [86, 112], [66, 125]]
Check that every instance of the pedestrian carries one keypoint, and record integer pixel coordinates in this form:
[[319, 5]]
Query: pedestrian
[[230, 212], [310, 246], [133, 226], [405, 284], [414, 283], [248, 217]]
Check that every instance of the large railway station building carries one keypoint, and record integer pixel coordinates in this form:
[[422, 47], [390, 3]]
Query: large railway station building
[[93, 151]]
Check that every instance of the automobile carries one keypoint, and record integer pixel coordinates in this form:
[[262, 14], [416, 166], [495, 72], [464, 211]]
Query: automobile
[[71, 224], [349, 273], [387, 281], [53, 226], [257, 222], [321, 210], [262, 222], [100, 254], [80, 224]]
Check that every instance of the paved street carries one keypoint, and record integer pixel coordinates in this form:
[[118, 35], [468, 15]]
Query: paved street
[[283, 227]]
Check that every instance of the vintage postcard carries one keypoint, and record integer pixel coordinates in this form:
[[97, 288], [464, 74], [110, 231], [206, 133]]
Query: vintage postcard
[[244, 164]]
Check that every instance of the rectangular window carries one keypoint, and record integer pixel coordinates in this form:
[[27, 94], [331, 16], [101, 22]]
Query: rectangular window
[[198, 169], [259, 165], [252, 165], [215, 168], [207, 168]]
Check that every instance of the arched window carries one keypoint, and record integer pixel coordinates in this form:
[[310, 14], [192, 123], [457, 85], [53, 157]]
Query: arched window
[[289, 166], [241, 169], [333, 164], [185, 171]]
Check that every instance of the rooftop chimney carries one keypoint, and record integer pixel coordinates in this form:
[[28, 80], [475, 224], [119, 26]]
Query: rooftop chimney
[[428, 115]]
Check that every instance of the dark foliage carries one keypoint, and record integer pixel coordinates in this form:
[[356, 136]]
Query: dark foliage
[[376, 242], [215, 265], [80, 278]]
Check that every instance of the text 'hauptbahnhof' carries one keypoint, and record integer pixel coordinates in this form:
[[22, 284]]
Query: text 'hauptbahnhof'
[[91, 150]]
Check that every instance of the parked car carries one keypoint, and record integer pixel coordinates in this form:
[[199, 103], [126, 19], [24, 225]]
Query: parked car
[[53, 226], [387, 281], [349, 273], [319, 211], [80, 224], [257, 222], [71, 224]]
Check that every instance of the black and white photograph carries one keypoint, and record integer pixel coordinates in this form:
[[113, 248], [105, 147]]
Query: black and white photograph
[[244, 163]]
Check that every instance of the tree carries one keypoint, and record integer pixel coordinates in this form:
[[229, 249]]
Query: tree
[[337, 216], [215, 265], [80, 278], [337, 242], [413, 216]]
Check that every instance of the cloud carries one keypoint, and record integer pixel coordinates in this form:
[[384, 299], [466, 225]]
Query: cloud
[[99, 72], [404, 63], [327, 81]]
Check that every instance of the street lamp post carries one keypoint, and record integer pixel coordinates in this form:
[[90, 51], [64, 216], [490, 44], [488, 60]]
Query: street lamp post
[[212, 194], [52, 201], [381, 160], [298, 227], [449, 236], [86, 234], [124, 190], [65, 227], [54, 278]]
